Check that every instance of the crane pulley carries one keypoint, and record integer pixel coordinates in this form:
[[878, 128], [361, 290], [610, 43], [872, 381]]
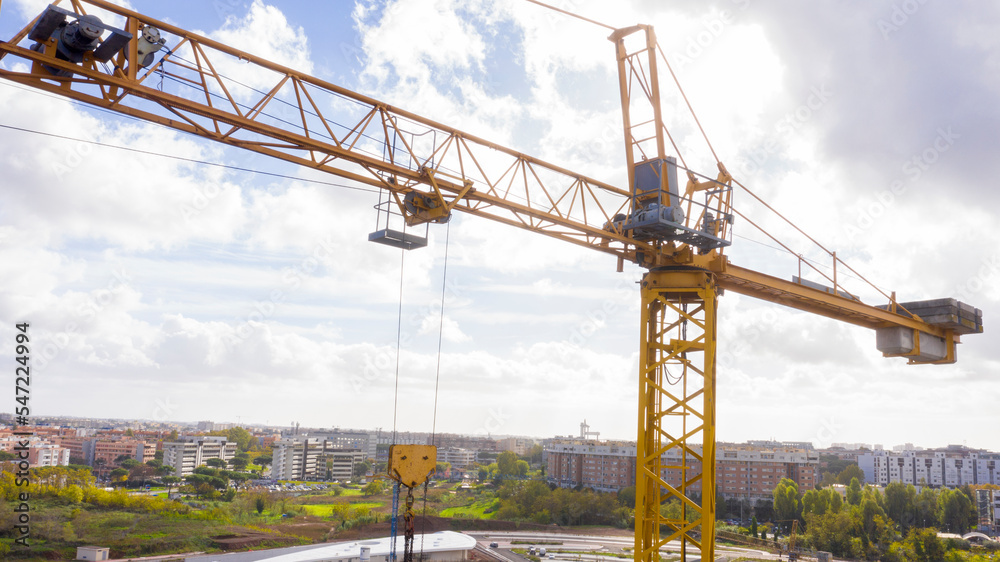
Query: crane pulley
[[678, 235]]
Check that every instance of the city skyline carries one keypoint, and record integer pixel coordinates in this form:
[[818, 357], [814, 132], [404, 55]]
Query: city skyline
[[220, 425], [159, 288]]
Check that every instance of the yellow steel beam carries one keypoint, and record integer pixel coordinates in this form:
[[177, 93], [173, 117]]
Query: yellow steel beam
[[676, 411], [793, 295]]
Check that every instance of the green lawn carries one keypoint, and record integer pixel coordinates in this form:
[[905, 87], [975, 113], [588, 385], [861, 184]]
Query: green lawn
[[476, 510], [327, 509]]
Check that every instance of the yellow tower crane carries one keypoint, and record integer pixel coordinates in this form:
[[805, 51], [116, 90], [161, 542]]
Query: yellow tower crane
[[677, 233]]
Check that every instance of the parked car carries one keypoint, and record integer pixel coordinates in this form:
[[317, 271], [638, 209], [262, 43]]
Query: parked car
[[494, 545]]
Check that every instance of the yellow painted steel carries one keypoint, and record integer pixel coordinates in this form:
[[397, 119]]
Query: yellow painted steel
[[676, 437], [410, 465]]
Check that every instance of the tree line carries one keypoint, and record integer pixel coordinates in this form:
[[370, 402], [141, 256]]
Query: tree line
[[896, 525]]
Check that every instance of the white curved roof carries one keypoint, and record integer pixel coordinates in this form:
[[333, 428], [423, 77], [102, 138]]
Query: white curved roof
[[442, 541]]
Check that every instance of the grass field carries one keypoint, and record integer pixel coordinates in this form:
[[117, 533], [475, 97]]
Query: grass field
[[476, 510], [327, 509]]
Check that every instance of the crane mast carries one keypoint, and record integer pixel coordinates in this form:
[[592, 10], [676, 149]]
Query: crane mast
[[679, 235]]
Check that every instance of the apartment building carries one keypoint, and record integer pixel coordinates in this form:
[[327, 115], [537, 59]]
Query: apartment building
[[339, 465], [295, 458], [748, 471], [482, 443], [40, 451], [604, 466], [742, 471], [191, 452], [103, 453], [346, 439], [460, 459], [950, 467], [48, 454], [517, 445]]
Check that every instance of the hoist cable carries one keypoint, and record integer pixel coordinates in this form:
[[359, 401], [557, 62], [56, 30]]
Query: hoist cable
[[577, 16], [399, 334], [437, 375]]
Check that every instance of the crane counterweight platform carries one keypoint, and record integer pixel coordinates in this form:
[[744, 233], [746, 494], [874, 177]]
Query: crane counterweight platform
[[678, 232]]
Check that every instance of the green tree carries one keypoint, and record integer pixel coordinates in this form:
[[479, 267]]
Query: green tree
[[834, 500], [244, 440], [361, 469], [854, 492], [239, 463], [626, 497], [522, 468], [900, 504], [118, 475], [507, 463], [786, 500], [852, 471], [259, 503], [753, 526], [170, 481], [216, 463], [955, 509], [534, 454], [874, 528], [129, 463], [5, 456], [262, 460], [815, 501], [924, 545], [373, 488], [831, 532], [926, 508]]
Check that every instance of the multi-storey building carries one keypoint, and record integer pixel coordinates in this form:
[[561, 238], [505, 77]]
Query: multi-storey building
[[604, 466], [517, 445], [40, 451], [746, 471], [47, 454], [460, 459], [340, 464], [363, 441], [742, 471], [481, 443], [191, 452], [295, 458], [104, 453], [951, 467], [312, 458]]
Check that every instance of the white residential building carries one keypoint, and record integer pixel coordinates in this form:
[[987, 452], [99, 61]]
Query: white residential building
[[192, 452], [952, 467], [460, 459], [313, 458]]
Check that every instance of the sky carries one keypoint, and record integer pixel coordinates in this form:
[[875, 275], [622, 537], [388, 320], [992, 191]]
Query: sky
[[149, 282]]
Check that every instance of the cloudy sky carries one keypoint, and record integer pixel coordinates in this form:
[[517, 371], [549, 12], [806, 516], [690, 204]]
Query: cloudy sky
[[149, 281]]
